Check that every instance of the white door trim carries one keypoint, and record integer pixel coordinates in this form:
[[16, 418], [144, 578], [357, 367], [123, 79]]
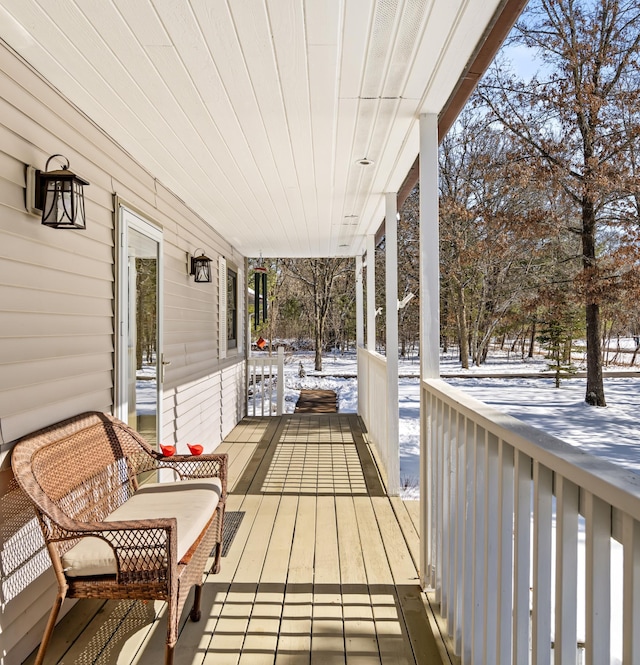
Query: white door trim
[[128, 219]]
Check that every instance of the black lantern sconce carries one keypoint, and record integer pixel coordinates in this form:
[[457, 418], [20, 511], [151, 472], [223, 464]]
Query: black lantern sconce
[[200, 267], [58, 195]]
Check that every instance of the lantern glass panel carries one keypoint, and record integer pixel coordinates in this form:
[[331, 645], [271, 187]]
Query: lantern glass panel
[[201, 269], [64, 204]]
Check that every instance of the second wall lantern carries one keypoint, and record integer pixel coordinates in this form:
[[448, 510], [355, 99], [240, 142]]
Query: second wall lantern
[[200, 267]]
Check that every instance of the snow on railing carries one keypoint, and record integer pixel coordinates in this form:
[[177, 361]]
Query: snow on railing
[[519, 532], [373, 408], [265, 385]]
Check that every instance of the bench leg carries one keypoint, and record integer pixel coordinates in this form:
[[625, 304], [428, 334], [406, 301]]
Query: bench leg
[[172, 628], [195, 613], [48, 631], [216, 562]]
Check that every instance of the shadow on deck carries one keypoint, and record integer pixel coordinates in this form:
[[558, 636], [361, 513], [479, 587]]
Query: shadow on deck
[[319, 565]]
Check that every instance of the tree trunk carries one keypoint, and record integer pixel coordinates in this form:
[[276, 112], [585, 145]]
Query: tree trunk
[[318, 333], [463, 332], [318, 357], [532, 340], [595, 386]]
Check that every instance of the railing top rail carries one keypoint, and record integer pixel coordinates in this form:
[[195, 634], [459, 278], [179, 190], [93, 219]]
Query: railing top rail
[[618, 486], [374, 355]]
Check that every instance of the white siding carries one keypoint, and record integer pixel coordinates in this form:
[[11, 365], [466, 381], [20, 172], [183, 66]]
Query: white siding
[[232, 386], [57, 315]]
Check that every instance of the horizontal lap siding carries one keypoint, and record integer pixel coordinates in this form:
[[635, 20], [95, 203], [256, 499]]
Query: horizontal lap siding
[[193, 420], [57, 313], [233, 396]]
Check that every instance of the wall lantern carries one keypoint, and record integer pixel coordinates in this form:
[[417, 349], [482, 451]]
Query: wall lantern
[[60, 196], [200, 267]]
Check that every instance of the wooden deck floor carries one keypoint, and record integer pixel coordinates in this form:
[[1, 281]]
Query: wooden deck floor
[[318, 566]]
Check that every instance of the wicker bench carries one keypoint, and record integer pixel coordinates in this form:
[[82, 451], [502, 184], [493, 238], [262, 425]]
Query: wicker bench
[[110, 536]]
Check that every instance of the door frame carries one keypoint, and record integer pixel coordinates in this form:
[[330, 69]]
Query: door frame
[[127, 217]]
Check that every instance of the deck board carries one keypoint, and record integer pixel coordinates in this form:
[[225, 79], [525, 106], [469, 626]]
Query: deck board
[[321, 569], [294, 643]]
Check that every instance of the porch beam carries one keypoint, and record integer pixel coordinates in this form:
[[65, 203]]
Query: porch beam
[[371, 292], [391, 308]]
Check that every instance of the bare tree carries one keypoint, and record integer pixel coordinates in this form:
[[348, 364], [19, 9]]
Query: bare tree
[[570, 120], [318, 278], [490, 221]]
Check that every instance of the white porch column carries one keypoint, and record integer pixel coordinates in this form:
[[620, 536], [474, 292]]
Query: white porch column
[[391, 281], [429, 249], [359, 304], [371, 293], [429, 320]]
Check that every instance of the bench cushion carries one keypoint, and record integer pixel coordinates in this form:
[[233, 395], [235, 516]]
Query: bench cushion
[[191, 502]]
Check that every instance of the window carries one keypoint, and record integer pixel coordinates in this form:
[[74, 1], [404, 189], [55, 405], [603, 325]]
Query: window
[[232, 309]]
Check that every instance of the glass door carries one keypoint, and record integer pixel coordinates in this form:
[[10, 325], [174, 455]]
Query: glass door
[[139, 350]]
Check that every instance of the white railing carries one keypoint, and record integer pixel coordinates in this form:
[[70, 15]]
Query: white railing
[[374, 409], [519, 532], [265, 384]]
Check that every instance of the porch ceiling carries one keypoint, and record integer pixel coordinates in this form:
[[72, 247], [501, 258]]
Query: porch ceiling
[[256, 112]]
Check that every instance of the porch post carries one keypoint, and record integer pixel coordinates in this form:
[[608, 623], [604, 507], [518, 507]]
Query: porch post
[[429, 249], [359, 304], [391, 307], [371, 292], [429, 321]]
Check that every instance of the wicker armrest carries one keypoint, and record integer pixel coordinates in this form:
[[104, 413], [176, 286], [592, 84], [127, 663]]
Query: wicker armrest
[[212, 465], [141, 548]]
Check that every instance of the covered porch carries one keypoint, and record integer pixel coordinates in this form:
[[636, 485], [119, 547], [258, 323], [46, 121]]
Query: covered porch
[[319, 564], [272, 128]]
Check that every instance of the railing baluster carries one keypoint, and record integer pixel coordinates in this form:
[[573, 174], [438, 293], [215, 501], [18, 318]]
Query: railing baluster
[[522, 556], [255, 387], [597, 516], [566, 611], [453, 519], [458, 578], [446, 512], [479, 534], [280, 385], [442, 502], [505, 554], [469, 546], [542, 564], [631, 622], [262, 385], [491, 548]]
